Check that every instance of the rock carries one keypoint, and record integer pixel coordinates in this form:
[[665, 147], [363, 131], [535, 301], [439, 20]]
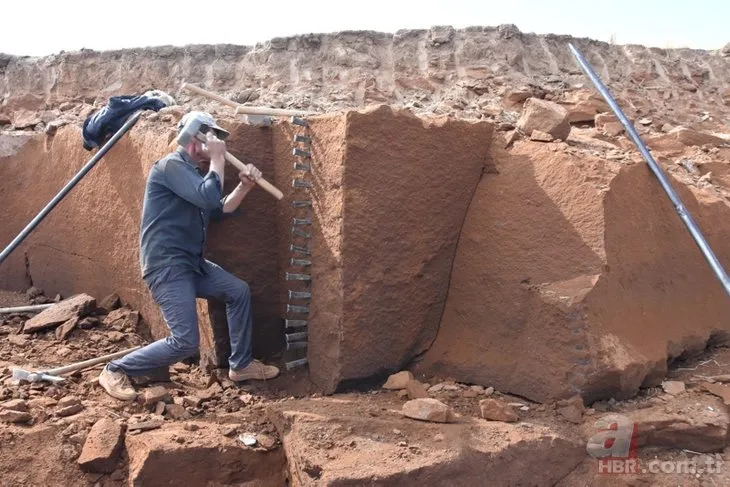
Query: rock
[[34, 292], [602, 119], [416, 390], [613, 129], [89, 322], [720, 390], [115, 336], [691, 137], [584, 105], [18, 340], [15, 405], [145, 425], [103, 444], [160, 408], [26, 119], [266, 441], [153, 395], [701, 425], [204, 457], [176, 411], [495, 410], [355, 342], [122, 319], [191, 427], [42, 402], [540, 136], [470, 394], [478, 389], [194, 401], [545, 116], [110, 303], [65, 329], [5, 120], [75, 306], [673, 387], [211, 392], [428, 409], [10, 416], [464, 453], [402, 393], [436, 388], [68, 406], [571, 409], [229, 429], [398, 381], [516, 98]]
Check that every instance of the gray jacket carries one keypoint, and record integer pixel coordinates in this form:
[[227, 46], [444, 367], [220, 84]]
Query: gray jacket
[[178, 204]]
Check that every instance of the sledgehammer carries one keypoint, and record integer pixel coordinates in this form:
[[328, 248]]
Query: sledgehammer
[[192, 130], [51, 375]]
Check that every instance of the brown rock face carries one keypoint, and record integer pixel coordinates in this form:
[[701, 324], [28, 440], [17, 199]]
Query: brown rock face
[[74, 307], [387, 174], [545, 116], [466, 453], [103, 444], [550, 244], [428, 409]]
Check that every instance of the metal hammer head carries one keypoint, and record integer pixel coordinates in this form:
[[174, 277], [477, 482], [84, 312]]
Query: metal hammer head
[[20, 374], [194, 123]]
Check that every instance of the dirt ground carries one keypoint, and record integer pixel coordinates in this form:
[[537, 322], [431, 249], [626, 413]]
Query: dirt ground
[[216, 412]]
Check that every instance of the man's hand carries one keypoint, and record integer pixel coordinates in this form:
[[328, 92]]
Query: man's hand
[[249, 175], [214, 147]]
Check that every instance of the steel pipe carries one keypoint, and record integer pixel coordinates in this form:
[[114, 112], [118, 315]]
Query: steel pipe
[[679, 207]]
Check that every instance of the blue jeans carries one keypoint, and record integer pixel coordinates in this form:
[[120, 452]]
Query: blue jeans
[[175, 289]]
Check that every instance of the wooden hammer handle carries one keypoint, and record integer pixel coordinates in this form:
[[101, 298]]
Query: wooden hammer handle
[[246, 110], [273, 190]]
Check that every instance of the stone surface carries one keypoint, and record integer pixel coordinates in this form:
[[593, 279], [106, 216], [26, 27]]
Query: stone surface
[[10, 416], [545, 116], [398, 380], [65, 329], [206, 458], [68, 406], [548, 232], [428, 410], [463, 453], [540, 136], [601, 119], [110, 302], [103, 444], [75, 306], [495, 410], [720, 390], [416, 390], [571, 409], [15, 405], [583, 105], [358, 155], [699, 425], [673, 387], [152, 395], [175, 411]]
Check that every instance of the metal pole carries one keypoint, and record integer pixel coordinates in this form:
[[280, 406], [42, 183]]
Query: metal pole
[[656, 169], [25, 309], [69, 186]]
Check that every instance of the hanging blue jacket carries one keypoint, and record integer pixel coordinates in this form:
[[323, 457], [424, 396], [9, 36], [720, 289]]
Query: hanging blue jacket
[[100, 126]]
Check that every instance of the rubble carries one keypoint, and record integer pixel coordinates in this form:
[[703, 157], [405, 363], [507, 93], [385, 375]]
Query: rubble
[[75, 306], [152, 395], [68, 406], [102, 447], [544, 116], [673, 387], [416, 390], [571, 409]]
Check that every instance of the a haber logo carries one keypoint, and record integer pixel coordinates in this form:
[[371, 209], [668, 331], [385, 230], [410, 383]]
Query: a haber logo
[[615, 445]]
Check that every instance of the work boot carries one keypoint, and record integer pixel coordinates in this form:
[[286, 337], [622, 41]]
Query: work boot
[[255, 370], [117, 385]]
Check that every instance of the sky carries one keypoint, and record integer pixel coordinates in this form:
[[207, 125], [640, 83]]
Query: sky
[[41, 27]]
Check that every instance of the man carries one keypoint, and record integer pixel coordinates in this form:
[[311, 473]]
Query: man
[[184, 190]]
